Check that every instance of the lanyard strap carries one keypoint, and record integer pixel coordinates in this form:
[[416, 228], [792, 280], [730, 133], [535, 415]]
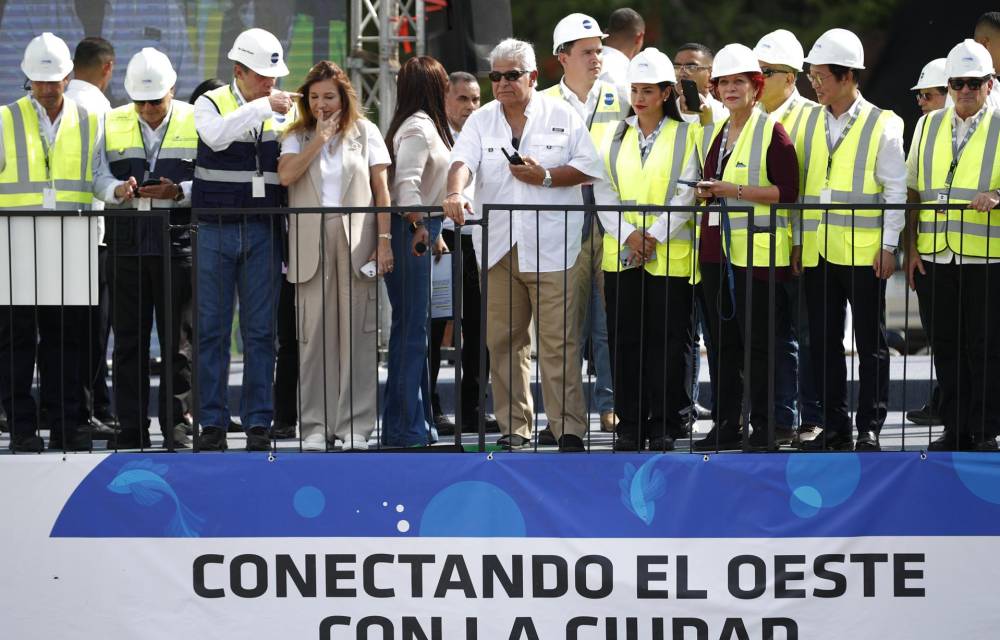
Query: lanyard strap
[[152, 163], [722, 150], [832, 148], [958, 147], [646, 142], [45, 150], [258, 133]]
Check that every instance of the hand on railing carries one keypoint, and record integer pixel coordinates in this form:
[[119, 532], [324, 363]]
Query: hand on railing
[[986, 201], [884, 264], [455, 206]]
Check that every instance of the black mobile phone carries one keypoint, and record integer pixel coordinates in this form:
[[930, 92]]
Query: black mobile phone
[[689, 183], [692, 99], [512, 158], [152, 182]]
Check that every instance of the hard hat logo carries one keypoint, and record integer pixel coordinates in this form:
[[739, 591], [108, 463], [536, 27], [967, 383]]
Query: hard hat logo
[[587, 24], [275, 57]]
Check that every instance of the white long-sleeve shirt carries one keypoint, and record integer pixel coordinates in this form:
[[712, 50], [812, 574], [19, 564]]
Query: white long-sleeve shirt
[[241, 125], [151, 140]]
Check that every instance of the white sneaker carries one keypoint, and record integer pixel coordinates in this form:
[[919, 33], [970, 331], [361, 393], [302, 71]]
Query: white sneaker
[[314, 442], [357, 442]]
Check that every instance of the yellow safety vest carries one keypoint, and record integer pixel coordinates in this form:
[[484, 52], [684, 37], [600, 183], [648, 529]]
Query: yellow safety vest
[[26, 173], [842, 238], [611, 108], [966, 232], [651, 183], [747, 165]]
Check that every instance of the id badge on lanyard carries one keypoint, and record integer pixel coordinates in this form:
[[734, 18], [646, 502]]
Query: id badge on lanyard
[[257, 182]]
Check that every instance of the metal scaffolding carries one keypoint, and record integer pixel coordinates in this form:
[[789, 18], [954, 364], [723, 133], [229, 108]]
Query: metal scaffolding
[[379, 28]]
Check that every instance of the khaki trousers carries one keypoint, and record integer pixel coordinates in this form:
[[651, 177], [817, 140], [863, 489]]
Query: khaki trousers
[[589, 267], [513, 299], [335, 315]]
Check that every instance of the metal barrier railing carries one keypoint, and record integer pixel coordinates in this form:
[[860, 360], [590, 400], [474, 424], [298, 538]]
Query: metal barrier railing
[[557, 373]]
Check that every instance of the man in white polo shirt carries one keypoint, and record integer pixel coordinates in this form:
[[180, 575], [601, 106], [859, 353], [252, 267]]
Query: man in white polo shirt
[[529, 254]]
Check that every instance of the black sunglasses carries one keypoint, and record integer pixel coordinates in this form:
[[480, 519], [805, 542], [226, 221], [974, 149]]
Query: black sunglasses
[[973, 83], [139, 103], [924, 95], [509, 76], [767, 72]]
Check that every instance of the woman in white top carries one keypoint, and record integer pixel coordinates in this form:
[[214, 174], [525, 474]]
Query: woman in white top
[[421, 143], [331, 156]]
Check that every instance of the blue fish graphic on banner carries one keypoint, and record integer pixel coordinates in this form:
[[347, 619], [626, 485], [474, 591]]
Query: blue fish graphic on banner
[[641, 488], [143, 480]]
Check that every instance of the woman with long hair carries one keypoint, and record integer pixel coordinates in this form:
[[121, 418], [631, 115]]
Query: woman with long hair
[[748, 161], [647, 260], [419, 141], [331, 156]]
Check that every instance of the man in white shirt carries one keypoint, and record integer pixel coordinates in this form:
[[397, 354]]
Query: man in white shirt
[[626, 34], [529, 253], [693, 61], [93, 64]]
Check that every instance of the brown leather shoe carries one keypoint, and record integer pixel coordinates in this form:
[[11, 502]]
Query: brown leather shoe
[[609, 422]]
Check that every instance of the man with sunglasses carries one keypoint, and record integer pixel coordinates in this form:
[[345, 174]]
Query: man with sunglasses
[[953, 255], [931, 91], [780, 55], [531, 254], [577, 41], [855, 158], [153, 142]]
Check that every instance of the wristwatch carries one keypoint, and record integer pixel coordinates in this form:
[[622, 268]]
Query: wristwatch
[[180, 193], [416, 224], [547, 180]]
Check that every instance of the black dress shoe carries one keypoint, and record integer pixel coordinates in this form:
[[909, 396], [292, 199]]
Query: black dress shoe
[[258, 439], [830, 441], [234, 427], [27, 444], [627, 443], [77, 439], [948, 442], [130, 439], [100, 430], [471, 425], [212, 439], [989, 444], [513, 441], [569, 443], [445, 427], [782, 435], [283, 431], [925, 416], [546, 437], [867, 441], [728, 438], [664, 443]]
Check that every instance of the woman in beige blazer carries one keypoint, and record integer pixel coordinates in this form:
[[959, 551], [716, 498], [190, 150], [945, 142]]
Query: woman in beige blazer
[[421, 143], [332, 157]]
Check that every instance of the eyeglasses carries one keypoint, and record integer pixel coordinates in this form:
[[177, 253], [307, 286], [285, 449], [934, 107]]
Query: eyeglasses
[[974, 84], [926, 96], [154, 103], [767, 72], [510, 76], [817, 80], [690, 67]]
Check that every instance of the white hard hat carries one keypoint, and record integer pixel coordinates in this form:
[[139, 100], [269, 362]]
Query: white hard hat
[[574, 27], [968, 59], [149, 75], [734, 58], [840, 47], [932, 75], [651, 66], [261, 51], [780, 47], [46, 59]]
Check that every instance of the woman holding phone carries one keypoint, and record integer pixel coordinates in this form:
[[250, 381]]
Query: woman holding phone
[[648, 260], [748, 161], [331, 156], [420, 142]]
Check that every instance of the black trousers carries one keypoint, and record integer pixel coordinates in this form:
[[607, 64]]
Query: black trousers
[[286, 369], [964, 302], [137, 294], [50, 337], [471, 338], [829, 288], [650, 337], [727, 328]]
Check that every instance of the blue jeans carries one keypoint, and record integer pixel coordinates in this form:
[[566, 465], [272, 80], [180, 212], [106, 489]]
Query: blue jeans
[[789, 387], [244, 257], [408, 417], [595, 327]]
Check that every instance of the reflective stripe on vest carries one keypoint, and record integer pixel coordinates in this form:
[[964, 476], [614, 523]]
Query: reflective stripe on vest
[[651, 183], [126, 151], [966, 232], [747, 165], [842, 237], [24, 179]]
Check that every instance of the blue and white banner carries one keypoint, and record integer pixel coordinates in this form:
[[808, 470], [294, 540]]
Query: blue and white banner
[[505, 547]]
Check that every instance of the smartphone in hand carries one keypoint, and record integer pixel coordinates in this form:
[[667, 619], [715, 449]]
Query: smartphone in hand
[[692, 99]]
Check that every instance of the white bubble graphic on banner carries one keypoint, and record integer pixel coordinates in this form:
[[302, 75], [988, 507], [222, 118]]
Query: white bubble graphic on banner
[[821, 481], [403, 526], [400, 508]]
